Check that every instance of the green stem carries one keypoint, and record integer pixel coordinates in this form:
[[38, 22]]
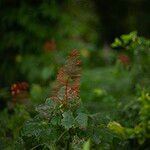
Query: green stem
[[68, 142], [66, 90], [37, 146], [61, 136]]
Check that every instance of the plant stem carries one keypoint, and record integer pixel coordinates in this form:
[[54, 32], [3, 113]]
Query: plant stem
[[61, 136], [69, 140], [66, 90], [37, 146]]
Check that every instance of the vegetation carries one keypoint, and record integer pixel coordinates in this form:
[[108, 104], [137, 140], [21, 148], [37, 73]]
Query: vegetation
[[60, 89], [112, 114]]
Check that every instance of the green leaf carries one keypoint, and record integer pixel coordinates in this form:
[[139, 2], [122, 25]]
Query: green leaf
[[127, 37], [34, 128], [117, 128], [56, 120], [68, 120], [50, 103], [86, 145], [82, 120], [116, 43]]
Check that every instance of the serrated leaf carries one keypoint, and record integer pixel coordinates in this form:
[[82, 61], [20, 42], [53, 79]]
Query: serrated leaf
[[56, 120], [68, 120], [32, 128], [82, 120], [50, 103]]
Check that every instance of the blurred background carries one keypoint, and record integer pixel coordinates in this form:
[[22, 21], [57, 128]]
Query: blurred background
[[38, 27], [36, 37]]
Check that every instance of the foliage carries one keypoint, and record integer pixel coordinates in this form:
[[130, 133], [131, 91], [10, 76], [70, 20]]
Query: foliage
[[11, 123], [30, 29], [140, 131], [86, 145], [113, 113], [138, 51], [61, 121]]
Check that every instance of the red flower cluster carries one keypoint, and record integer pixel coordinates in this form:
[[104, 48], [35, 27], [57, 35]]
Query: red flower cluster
[[16, 88], [124, 59]]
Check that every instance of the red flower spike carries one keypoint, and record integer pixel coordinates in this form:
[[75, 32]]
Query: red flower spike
[[68, 80]]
